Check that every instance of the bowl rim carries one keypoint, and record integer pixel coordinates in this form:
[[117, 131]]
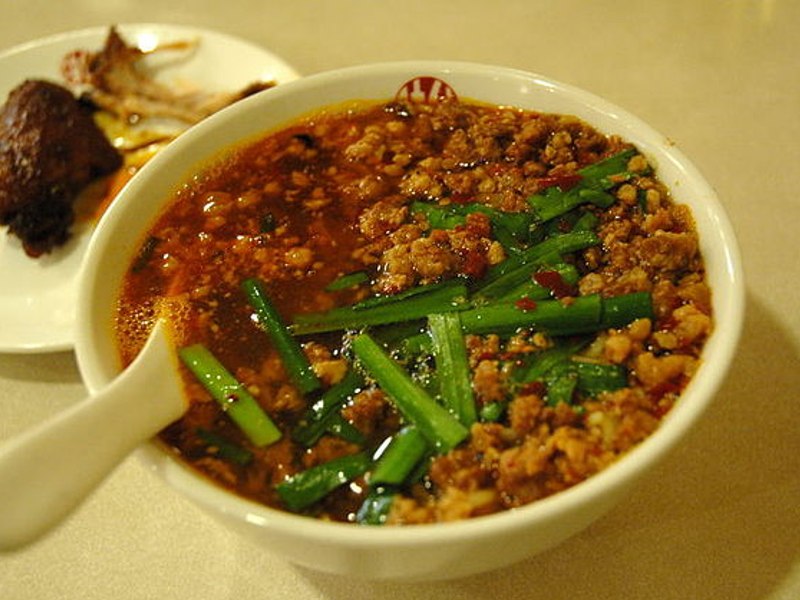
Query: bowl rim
[[716, 357]]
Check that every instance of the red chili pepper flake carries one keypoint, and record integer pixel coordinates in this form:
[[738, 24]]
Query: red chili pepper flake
[[662, 389], [495, 168], [525, 304], [662, 408], [536, 388], [458, 198], [555, 282], [668, 324], [438, 236], [564, 226], [475, 264], [563, 182]]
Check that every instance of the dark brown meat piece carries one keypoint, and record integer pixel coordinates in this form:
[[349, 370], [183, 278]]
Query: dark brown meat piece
[[50, 149]]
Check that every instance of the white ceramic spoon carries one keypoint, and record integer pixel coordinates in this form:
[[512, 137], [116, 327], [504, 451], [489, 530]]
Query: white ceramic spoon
[[48, 471]]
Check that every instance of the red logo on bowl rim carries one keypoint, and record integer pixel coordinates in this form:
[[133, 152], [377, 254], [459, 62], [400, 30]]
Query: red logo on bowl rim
[[425, 89]]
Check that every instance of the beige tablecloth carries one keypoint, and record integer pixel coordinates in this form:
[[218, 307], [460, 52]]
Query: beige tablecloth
[[720, 518]]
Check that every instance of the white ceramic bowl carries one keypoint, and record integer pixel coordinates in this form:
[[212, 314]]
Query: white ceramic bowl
[[426, 551]]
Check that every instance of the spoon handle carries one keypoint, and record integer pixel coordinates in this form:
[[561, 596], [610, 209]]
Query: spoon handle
[[48, 471]]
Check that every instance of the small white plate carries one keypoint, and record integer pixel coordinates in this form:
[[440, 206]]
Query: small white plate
[[38, 296]]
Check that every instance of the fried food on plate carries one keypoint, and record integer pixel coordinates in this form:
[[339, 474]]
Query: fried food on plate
[[50, 149]]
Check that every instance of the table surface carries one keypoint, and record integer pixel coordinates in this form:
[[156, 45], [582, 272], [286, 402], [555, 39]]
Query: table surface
[[720, 517]]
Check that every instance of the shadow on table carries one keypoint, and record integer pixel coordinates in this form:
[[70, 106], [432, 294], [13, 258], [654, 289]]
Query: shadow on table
[[57, 367], [718, 519]]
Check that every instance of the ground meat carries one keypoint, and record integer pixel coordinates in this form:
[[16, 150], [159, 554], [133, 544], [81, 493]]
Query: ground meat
[[523, 413], [382, 218], [330, 370], [620, 344], [371, 145], [368, 411], [539, 467], [328, 448], [489, 439], [413, 259], [482, 347], [689, 325], [696, 293], [519, 474], [654, 371], [299, 257], [287, 399], [456, 504], [665, 298], [429, 259], [488, 381], [409, 511], [668, 251]]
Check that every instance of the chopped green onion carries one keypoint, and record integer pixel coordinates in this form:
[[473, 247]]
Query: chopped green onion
[[619, 311], [441, 299], [537, 364], [317, 418], [514, 227], [397, 462], [231, 395], [346, 281], [395, 333], [605, 173], [595, 179], [582, 315], [534, 291], [588, 221], [596, 197], [594, 379], [590, 379], [516, 270], [341, 428], [440, 217], [304, 489], [492, 411], [554, 203], [375, 508], [417, 345], [563, 375], [560, 386], [641, 201], [420, 290], [225, 448], [526, 289], [268, 223], [452, 365], [294, 360], [442, 430]]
